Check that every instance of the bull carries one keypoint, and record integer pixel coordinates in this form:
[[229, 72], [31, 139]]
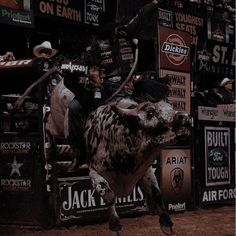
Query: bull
[[123, 139]]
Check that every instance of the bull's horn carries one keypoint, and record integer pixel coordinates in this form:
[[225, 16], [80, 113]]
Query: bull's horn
[[126, 103], [124, 111]]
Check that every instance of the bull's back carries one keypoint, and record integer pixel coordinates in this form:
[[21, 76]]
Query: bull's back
[[116, 152]]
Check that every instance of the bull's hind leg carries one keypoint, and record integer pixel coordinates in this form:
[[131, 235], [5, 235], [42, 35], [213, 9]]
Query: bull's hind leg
[[103, 188], [150, 187]]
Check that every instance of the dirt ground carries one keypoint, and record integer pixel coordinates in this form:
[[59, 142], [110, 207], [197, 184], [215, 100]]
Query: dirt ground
[[218, 221]]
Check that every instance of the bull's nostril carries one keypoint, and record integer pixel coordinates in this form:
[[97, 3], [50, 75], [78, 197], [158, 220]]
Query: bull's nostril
[[181, 117]]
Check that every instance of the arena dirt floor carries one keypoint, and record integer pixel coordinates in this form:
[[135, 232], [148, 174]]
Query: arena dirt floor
[[218, 221]]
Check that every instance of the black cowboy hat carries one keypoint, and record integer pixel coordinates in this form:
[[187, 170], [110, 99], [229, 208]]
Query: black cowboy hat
[[107, 21]]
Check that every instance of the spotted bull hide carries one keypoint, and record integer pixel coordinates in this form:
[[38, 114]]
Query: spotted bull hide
[[123, 140]]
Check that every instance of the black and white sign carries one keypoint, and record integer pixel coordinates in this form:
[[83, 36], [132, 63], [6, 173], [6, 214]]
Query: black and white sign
[[217, 156], [78, 200]]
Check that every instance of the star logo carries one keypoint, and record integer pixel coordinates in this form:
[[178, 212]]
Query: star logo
[[15, 167], [204, 57]]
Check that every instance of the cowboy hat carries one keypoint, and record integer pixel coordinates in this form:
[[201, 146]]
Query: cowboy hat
[[46, 45], [225, 81]]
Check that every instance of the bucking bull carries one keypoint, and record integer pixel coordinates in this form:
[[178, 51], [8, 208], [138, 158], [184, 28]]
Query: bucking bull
[[123, 138]]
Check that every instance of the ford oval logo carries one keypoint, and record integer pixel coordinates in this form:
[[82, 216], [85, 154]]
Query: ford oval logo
[[217, 157], [94, 7]]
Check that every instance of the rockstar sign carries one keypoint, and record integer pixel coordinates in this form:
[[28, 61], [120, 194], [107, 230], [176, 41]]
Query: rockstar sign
[[15, 167]]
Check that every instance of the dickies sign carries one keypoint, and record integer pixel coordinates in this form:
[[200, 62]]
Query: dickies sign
[[174, 49]]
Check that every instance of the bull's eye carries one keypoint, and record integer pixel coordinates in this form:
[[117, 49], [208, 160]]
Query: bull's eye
[[150, 114]]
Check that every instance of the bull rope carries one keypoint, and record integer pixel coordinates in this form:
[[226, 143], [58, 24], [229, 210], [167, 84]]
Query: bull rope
[[22, 98], [129, 77]]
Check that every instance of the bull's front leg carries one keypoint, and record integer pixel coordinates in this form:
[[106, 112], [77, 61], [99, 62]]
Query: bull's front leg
[[103, 189], [149, 186]]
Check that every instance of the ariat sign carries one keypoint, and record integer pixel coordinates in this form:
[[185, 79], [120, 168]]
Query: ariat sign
[[175, 49]]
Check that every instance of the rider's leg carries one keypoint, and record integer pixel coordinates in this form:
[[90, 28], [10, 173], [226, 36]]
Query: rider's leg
[[76, 119]]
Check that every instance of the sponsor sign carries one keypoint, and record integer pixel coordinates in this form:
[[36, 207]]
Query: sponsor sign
[[165, 18], [216, 29], [174, 49], [74, 67], [176, 178], [92, 9], [190, 23], [78, 200], [230, 34], [216, 57], [218, 195], [17, 147], [16, 167], [217, 156], [16, 64], [66, 10], [223, 112], [16, 13], [179, 95]]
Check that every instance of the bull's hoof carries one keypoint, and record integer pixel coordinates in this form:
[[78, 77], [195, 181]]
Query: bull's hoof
[[114, 225], [166, 224], [116, 233], [167, 230]]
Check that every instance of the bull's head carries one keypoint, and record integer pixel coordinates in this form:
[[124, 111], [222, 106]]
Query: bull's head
[[159, 119]]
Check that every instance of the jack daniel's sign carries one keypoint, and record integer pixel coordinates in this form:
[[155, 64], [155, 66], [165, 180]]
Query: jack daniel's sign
[[78, 200]]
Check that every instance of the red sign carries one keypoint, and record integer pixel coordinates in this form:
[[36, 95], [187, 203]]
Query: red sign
[[16, 13], [174, 48], [11, 4]]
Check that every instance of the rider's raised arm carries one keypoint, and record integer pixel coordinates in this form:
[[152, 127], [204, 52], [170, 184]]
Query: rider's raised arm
[[142, 20]]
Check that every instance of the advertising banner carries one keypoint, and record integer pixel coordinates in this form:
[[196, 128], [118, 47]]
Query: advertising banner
[[16, 13], [191, 23], [165, 17], [223, 112], [91, 11], [175, 178], [179, 95], [17, 164], [16, 64], [174, 49], [217, 178], [216, 57], [216, 29], [82, 12], [66, 10], [188, 21], [215, 161], [217, 156], [22, 199], [78, 200]]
